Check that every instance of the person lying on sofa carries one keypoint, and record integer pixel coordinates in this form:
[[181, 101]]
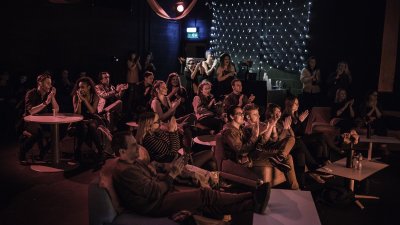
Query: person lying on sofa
[[144, 191]]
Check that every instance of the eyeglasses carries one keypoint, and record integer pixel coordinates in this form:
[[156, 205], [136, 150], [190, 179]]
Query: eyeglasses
[[239, 114]]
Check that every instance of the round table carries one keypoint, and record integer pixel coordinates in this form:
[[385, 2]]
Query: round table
[[132, 124], [54, 121], [208, 140]]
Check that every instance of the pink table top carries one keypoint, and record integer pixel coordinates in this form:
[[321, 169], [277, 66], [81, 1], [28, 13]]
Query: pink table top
[[50, 119], [208, 140]]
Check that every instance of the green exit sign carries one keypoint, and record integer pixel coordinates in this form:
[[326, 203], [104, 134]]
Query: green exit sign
[[193, 35]]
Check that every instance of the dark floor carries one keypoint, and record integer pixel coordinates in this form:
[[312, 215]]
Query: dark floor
[[29, 197]]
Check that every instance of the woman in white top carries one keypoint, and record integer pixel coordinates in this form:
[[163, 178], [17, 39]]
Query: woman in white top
[[310, 78]]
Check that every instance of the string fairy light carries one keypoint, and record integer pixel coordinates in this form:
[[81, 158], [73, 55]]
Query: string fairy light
[[271, 33]]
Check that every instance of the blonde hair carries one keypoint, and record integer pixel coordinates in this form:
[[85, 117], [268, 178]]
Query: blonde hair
[[145, 122]]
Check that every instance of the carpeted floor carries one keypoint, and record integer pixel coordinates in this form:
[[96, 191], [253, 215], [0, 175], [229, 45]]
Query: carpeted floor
[[31, 198]]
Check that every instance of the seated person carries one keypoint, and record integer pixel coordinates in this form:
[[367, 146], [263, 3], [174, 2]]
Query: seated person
[[163, 143], [301, 154], [85, 102], [268, 148], [205, 108], [166, 109], [109, 94], [319, 144], [143, 94], [153, 193], [237, 146], [342, 112], [177, 91], [236, 97], [37, 101]]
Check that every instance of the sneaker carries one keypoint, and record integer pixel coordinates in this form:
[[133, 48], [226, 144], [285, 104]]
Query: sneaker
[[280, 162], [261, 197]]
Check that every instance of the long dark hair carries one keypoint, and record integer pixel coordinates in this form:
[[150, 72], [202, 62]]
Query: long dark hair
[[86, 80]]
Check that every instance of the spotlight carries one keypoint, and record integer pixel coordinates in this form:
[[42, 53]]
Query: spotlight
[[180, 6]]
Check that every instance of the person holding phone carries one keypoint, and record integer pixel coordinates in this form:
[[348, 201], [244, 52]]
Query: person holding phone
[[39, 100]]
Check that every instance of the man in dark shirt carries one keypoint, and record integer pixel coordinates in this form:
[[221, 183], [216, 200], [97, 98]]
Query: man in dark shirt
[[236, 97], [145, 191], [37, 101]]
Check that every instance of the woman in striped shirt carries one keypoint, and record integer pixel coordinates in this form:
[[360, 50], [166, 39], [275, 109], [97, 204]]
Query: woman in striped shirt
[[162, 141]]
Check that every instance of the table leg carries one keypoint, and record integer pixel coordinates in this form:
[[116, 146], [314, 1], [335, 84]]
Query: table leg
[[370, 151], [55, 141], [351, 186]]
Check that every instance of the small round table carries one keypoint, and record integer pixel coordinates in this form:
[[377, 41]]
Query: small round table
[[54, 121], [208, 140], [132, 124]]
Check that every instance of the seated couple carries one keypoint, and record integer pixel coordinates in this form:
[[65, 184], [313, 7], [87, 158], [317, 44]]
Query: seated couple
[[153, 192]]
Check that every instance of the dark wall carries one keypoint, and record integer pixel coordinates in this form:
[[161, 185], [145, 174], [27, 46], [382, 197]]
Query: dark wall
[[350, 31], [87, 36]]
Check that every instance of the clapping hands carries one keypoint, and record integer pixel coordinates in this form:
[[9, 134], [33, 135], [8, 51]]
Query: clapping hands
[[177, 167], [303, 115], [287, 123]]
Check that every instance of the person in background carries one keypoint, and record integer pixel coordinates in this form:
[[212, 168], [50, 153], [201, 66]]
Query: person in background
[[342, 112], [236, 97], [226, 72], [148, 63], [134, 67], [340, 79], [311, 79], [205, 109], [177, 91], [142, 98], [109, 94], [85, 102], [39, 100], [209, 65]]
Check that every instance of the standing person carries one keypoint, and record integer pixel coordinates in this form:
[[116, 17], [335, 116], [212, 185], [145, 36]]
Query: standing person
[[311, 79], [148, 63], [134, 68], [85, 101], [341, 78], [226, 72], [147, 192], [209, 65], [41, 99]]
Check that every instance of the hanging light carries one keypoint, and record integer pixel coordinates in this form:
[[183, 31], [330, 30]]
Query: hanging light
[[180, 6]]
